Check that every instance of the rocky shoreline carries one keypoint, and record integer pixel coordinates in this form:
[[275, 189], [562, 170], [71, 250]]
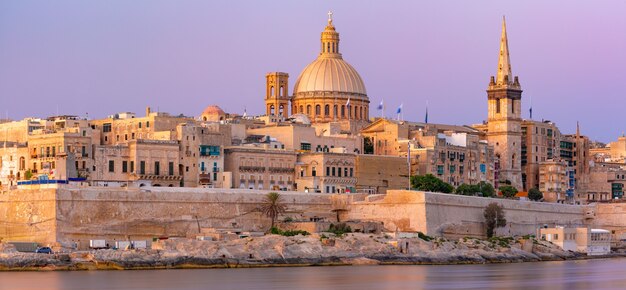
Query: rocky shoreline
[[312, 250]]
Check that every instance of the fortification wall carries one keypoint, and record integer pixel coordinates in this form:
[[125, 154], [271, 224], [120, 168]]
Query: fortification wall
[[28, 215], [456, 215]]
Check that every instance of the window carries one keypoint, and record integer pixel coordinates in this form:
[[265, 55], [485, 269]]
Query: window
[[318, 110], [327, 171], [439, 169], [111, 166], [147, 124], [106, 127], [333, 172], [513, 106], [308, 109], [335, 111], [305, 146], [83, 151], [314, 171], [139, 125], [302, 109], [339, 171], [351, 172], [498, 106], [345, 172], [343, 110], [132, 166], [170, 169], [326, 110], [142, 167], [124, 166], [157, 168]]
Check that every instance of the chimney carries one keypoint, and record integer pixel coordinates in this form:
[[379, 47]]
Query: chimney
[[148, 111]]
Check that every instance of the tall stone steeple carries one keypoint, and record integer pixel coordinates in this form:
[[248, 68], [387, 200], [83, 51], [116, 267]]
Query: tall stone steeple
[[504, 95]]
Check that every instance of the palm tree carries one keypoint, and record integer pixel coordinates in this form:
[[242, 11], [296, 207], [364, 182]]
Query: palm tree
[[273, 206]]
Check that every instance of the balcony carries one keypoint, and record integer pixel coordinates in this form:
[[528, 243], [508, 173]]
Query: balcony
[[281, 170], [252, 168]]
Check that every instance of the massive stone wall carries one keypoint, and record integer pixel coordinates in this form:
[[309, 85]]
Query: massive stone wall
[[28, 215], [456, 215], [73, 216]]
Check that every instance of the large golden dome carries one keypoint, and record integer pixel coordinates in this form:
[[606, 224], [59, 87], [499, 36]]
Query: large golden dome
[[329, 89], [330, 74]]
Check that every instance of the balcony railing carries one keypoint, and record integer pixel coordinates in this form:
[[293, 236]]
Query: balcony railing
[[252, 168]]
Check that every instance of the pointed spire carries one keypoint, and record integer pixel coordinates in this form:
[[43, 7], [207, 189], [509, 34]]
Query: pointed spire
[[505, 74]]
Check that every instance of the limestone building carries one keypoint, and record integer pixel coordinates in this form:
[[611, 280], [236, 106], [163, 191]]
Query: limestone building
[[504, 97], [260, 168], [328, 90]]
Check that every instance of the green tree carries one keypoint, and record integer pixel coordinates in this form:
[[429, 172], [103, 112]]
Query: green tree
[[467, 189], [508, 191], [273, 206], [430, 183], [28, 174], [535, 194], [494, 218], [486, 189]]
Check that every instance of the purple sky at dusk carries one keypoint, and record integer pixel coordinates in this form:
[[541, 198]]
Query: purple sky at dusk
[[104, 57]]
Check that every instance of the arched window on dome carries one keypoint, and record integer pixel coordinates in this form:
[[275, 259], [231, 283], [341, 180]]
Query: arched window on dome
[[271, 110], [271, 91], [318, 110], [343, 111], [335, 111], [326, 110], [308, 110], [301, 109]]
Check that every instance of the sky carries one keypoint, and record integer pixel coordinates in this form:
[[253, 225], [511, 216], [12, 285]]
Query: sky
[[97, 58]]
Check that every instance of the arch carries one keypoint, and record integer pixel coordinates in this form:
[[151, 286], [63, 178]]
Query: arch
[[171, 185], [142, 185], [282, 91], [281, 109], [308, 110], [301, 109], [326, 110], [271, 109], [318, 110], [271, 91]]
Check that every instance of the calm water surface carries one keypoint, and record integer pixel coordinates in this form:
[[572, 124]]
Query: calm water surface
[[594, 274]]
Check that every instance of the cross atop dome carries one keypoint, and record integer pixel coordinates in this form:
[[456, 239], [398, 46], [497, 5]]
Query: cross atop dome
[[330, 17]]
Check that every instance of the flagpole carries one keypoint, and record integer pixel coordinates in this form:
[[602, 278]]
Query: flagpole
[[408, 154]]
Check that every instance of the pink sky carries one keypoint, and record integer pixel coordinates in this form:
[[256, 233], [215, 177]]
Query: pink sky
[[180, 56]]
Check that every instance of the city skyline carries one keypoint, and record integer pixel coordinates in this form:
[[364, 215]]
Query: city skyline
[[126, 59]]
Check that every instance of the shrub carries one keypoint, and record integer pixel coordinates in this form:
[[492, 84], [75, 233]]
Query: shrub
[[288, 233], [339, 229], [424, 237], [508, 191], [535, 194], [430, 183]]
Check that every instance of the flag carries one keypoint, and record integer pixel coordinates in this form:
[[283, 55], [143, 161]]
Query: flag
[[348, 102], [426, 117], [380, 106], [531, 112], [399, 109]]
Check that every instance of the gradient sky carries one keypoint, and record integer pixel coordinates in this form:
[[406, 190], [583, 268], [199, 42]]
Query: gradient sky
[[103, 57]]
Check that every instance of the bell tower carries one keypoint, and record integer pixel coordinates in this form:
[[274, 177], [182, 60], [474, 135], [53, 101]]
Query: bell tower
[[504, 96], [276, 96]]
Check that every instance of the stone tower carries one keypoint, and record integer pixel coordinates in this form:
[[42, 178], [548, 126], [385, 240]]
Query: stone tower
[[276, 95], [504, 96]]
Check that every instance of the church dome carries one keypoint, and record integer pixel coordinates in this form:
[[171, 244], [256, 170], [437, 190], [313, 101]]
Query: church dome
[[330, 74], [213, 113]]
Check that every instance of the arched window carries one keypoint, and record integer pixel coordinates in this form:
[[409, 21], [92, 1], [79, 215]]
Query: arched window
[[328, 47], [282, 91], [498, 106], [308, 109], [343, 110], [335, 111], [301, 109], [326, 110], [272, 91], [281, 109], [318, 110], [513, 106], [271, 110]]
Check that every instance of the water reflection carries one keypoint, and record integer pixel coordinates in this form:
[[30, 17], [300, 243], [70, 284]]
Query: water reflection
[[593, 274]]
